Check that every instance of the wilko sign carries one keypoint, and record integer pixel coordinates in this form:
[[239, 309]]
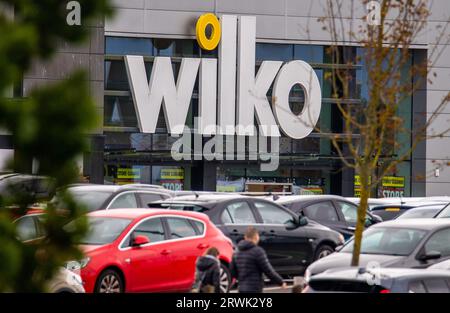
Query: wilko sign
[[230, 94]]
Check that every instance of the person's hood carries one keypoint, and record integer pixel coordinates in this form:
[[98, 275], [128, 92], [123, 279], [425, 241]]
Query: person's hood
[[206, 262], [244, 245], [343, 259]]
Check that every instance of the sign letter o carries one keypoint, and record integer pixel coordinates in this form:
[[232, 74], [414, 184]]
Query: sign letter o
[[200, 31], [297, 72]]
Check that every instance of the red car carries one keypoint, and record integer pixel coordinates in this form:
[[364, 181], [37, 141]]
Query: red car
[[136, 250]]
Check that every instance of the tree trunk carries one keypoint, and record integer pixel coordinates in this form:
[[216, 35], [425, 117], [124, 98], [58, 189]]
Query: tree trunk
[[361, 220]]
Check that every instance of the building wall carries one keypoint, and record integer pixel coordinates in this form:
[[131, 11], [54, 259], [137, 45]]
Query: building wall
[[438, 149], [67, 59], [284, 20]]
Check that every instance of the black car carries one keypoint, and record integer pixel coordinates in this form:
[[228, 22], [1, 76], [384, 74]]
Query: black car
[[291, 242], [380, 280], [408, 243], [106, 197], [333, 211]]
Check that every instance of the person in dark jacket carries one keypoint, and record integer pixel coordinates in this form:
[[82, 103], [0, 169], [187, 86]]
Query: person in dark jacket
[[250, 263], [207, 274]]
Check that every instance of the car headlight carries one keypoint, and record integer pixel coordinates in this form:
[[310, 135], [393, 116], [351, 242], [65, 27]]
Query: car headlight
[[75, 266], [84, 262], [307, 275], [341, 239]]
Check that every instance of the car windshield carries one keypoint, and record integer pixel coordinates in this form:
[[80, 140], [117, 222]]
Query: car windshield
[[104, 230], [445, 213], [419, 213], [388, 241]]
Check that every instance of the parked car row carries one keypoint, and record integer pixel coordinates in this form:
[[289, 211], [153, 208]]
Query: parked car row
[[408, 254], [144, 238]]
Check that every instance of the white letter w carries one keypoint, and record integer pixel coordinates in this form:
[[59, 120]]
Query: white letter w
[[147, 98]]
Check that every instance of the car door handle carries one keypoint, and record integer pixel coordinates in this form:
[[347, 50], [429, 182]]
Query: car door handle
[[235, 232], [203, 246], [166, 252], [268, 234], [351, 228]]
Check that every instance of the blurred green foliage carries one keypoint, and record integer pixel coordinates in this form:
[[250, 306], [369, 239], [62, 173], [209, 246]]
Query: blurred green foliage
[[50, 126]]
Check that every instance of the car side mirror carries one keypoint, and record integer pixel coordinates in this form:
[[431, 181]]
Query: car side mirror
[[140, 240], [432, 255], [293, 224], [376, 219], [302, 221]]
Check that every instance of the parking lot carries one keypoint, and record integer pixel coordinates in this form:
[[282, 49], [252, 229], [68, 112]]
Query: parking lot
[[145, 238]]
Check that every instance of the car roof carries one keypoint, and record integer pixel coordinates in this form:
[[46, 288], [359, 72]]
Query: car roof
[[415, 223], [115, 188], [352, 273], [307, 198], [210, 197], [142, 213], [402, 200]]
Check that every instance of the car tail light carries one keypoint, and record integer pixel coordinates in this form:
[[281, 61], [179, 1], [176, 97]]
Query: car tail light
[[385, 291]]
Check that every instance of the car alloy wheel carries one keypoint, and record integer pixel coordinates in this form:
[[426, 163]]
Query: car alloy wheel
[[110, 282], [323, 254], [323, 251], [225, 279]]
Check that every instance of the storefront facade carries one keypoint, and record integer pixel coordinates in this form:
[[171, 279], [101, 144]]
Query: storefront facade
[[286, 30], [309, 165]]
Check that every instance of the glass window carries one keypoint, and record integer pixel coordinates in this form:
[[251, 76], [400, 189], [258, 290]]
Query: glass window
[[416, 287], [124, 201], [439, 242], [445, 213], [124, 46], [322, 211], [170, 177], [308, 53], [419, 213], [226, 217], [272, 214], [239, 213], [103, 230], [180, 228], [119, 111], [152, 229], [116, 76], [91, 199], [26, 229], [389, 241], [436, 285], [273, 52], [200, 226], [147, 198], [176, 48], [349, 211]]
